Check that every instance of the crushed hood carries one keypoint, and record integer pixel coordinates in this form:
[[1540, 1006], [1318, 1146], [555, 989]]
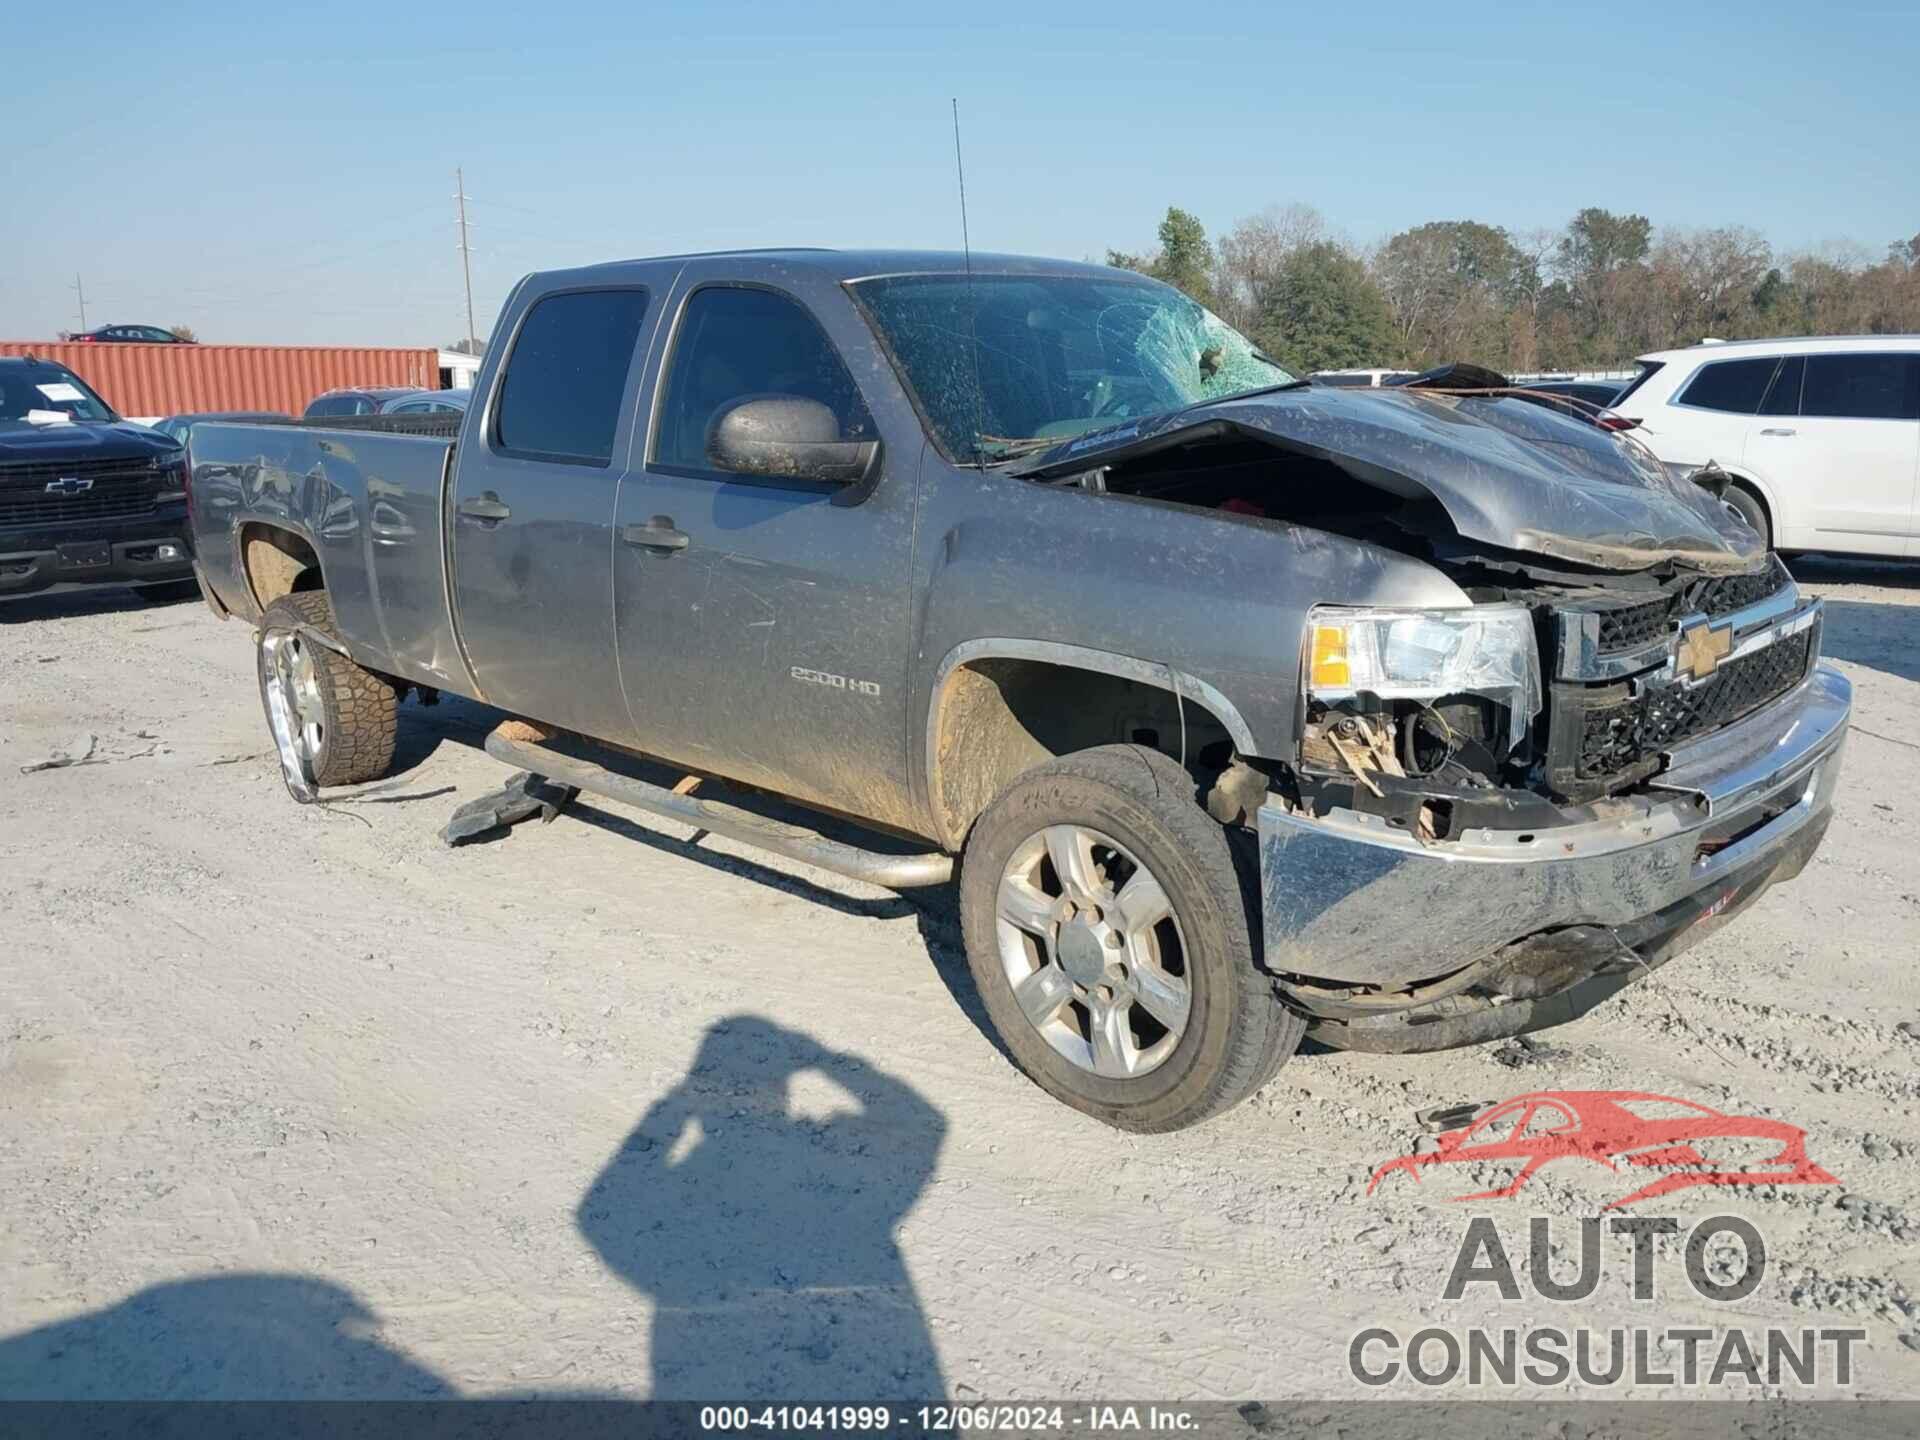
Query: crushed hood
[[1508, 473]]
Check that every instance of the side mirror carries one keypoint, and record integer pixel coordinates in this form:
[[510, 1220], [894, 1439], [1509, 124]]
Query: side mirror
[[789, 437]]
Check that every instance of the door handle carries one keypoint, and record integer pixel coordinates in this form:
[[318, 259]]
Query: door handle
[[1775, 430], [657, 534], [486, 508]]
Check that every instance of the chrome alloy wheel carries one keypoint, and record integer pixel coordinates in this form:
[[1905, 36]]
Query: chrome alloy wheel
[[295, 711], [1093, 951]]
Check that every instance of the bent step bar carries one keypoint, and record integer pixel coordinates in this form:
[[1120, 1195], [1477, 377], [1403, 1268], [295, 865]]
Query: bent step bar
[[896, 872]]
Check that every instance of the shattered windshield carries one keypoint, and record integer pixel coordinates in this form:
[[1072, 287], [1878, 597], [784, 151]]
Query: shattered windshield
[[1006, 365]]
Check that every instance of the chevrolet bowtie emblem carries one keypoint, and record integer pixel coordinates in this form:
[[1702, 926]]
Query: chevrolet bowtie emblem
[[69, 485], [1702, 648]]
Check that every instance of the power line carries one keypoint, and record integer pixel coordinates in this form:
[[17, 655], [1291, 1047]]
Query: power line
[[80, 290]]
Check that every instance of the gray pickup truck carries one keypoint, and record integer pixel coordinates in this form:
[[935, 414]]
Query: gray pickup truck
[[1408, 717]]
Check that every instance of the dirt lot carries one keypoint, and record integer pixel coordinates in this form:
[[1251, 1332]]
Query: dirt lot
[[298, 1102]]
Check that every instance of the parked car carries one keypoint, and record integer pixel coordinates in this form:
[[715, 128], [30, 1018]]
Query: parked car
[[427, 402], [369, 401], [180, 427], [1821, 437], [1583, 399], [86, 498], [128, 335], [1363, 379], [1255, 708], [1589, 392]]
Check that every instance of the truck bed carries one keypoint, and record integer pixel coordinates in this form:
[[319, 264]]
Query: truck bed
[[368, 503]]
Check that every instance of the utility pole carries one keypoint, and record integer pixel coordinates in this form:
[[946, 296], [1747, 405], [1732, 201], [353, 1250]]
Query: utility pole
[[80, 290], [466, 251]]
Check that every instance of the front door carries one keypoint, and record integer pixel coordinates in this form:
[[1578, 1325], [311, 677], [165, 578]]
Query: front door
[[763, 624], [532, 517]]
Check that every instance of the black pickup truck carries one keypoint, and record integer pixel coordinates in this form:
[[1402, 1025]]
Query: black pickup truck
[[85, 497]]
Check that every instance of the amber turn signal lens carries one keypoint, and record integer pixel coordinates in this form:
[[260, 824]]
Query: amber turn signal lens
[[1329, 669]]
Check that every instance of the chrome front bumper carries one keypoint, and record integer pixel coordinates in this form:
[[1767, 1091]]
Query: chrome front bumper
[[1347, 898]]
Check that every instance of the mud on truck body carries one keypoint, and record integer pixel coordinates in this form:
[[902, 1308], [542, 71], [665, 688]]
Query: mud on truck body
[[1406, 717]]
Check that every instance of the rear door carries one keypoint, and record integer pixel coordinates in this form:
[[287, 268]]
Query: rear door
[[1840, 444], [763, 623], [532, 510]]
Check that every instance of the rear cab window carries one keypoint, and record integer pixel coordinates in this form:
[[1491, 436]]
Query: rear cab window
[[565, 381]]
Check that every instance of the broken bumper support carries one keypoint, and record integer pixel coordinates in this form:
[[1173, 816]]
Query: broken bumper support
[[1348, 900]]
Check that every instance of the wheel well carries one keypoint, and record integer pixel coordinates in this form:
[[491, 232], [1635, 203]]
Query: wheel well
[[278, 562], [1747, 484], [1740, 482], [999, 717]]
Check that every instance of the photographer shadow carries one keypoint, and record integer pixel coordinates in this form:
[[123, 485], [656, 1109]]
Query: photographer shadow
[[756, 1207]]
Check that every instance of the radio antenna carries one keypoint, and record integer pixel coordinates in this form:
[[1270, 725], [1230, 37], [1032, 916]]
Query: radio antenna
[[973, 322]]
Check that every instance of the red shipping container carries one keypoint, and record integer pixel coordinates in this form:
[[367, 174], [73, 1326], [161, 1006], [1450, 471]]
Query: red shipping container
[[150, 381]]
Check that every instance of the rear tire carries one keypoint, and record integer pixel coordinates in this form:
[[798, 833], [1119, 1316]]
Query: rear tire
[[1746, 505], [1149, 1026], [344, 716]]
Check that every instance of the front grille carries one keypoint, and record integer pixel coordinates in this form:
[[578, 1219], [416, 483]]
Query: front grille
[[1638, 625], [1603, 736], [120, 488], [1723, 594], [1634, 627]]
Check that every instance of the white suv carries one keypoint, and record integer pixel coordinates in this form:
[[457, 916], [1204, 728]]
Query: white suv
[[1821, 436]]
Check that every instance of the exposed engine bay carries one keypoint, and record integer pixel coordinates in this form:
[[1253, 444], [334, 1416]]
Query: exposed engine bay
[[1610, 700]]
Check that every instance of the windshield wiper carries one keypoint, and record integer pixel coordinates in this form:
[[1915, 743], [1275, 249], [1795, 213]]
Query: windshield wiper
[[1237, 395], [997, 449]]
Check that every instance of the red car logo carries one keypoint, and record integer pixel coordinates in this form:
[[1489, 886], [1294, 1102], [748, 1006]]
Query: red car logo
[[1627, 1131]]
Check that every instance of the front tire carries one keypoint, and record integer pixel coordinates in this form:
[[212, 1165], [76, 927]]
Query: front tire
[[1108, 931], [1746, 507], [333, 722]]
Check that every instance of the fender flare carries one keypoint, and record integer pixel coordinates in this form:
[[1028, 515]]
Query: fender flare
[[1157, 673]]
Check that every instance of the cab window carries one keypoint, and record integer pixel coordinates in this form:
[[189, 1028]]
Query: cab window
[[565, 381], [735, 342]]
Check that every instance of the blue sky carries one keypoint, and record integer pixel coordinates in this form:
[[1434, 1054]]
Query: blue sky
[[267, 172]]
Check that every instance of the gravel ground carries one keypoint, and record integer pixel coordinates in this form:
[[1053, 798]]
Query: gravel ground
[[296, 1102]]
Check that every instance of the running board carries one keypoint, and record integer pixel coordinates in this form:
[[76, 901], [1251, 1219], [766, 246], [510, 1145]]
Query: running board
[[896, 872]]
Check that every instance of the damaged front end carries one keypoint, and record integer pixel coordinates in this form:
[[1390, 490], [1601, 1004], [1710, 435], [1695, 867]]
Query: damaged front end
[[1501, 812]]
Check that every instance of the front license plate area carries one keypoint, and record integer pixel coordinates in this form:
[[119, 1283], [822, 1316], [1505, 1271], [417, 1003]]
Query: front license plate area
[[86, 556]]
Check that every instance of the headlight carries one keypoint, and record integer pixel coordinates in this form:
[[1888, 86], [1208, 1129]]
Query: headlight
[[173, 477], [1426, 654]]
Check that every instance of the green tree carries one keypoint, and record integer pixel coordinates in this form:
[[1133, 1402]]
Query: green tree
[[1451, 285], [1598, 241], [1184, 259], [1320, 310]]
